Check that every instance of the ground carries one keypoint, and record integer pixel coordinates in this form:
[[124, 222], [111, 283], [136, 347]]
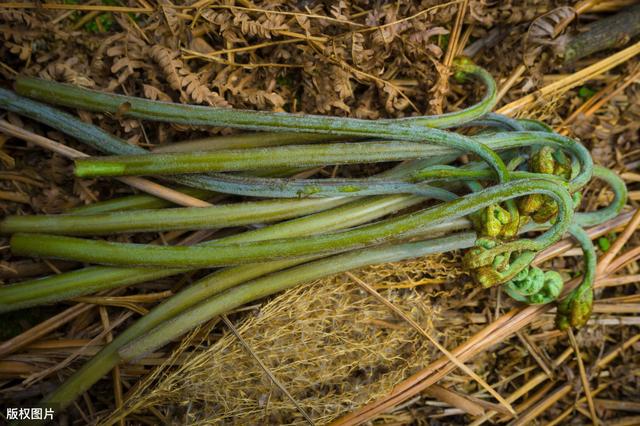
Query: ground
[[334, 350]]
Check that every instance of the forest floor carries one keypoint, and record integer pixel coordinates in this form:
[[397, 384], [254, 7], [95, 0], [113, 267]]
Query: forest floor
[[333, 346]]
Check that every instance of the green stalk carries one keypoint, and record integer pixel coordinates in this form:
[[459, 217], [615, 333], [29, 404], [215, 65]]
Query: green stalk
[[575, 309], [99, 139], [90, 100], [136, 202], [108, 357], [316, 155], [414, 183], [251, 140], [250, 159], [464, 68], [218, 254], [262, 287], [240, 213], [93, 279], [493, 121], [620, 192], [507, 140], [246, 140], [220, 216], [412, 130], [277, 188], [97, 278]]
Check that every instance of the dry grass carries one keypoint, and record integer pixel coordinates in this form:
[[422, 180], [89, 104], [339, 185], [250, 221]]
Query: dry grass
[[332, 345]]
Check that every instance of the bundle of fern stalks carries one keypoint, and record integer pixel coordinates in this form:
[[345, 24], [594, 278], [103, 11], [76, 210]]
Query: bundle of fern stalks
[[515, 194]]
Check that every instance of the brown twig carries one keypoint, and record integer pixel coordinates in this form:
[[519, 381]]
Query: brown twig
[[583, 377], [572, 80], [77, 7], [135, 182], [454, 36], [455, 400], [115, 373], [18, 342], [101, 336], [603, 34], [441, 348], [622, 239]]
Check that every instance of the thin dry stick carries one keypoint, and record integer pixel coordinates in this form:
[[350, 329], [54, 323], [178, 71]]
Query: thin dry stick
[[86, 18], [138, 183], [127, 302], [301, 36], [632, 78], [77, 7], [531, 401], [66, 14], [18, 342], [441, 348], [193, 54], [409, 18], [134, 298], [117, 385], [264, 368], [252, 47], [464, 39], [624, 259], [454, 37], [531, 384], [604, 6], [619, 243], [534, 351], [573, 80], [583, 378], [507, 85], [455, 400], [586, 5], [36, 377], [528, 417]]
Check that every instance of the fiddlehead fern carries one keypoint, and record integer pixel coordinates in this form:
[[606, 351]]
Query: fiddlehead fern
[[377, 233], [575, 309], [545, 160], [534, 286], [497, 257]]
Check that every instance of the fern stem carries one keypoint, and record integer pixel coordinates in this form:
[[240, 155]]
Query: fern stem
[[226, 296], [221, 216], [226, 254], [98, 278], [411, 129]]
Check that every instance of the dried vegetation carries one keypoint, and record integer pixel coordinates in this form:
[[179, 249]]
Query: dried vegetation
[[332, 345]]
